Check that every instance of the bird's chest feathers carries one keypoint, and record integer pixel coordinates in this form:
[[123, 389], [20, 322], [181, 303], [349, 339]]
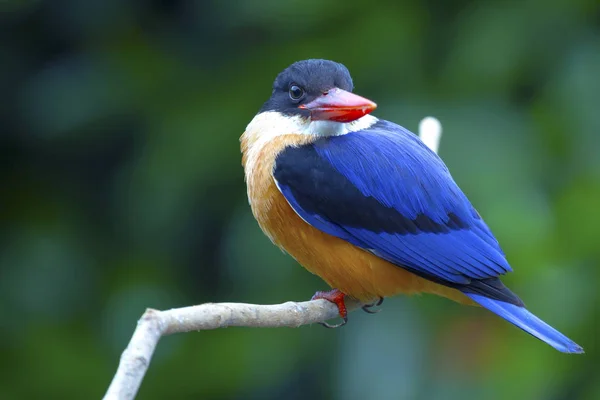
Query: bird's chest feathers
[[269, 207]]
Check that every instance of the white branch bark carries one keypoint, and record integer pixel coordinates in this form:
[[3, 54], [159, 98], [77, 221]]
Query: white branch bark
[[430, 132], [155, 324]]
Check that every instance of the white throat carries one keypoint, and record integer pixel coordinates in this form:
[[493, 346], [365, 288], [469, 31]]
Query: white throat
[[270, 124]]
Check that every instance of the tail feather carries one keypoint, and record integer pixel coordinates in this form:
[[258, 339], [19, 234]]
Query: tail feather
[[531, 324]]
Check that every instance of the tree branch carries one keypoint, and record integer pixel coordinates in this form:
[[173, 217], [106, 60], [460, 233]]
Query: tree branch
[[155, 324], [430, 132]]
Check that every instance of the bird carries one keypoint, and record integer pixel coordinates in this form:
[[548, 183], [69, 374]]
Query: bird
[[364, 204]]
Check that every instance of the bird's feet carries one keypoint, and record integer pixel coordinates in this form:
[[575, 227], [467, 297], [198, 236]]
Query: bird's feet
[[336, 297], [368, 307]]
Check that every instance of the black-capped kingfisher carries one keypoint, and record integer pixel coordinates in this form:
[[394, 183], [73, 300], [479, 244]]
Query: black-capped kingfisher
[[365, 205]]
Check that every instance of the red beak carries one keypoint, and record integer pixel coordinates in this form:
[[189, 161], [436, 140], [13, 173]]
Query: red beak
[[339, 105]]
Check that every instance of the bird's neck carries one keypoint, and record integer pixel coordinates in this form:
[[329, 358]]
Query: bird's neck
[[270, 124]]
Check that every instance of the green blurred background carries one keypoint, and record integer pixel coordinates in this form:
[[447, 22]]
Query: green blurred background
[[122, 189]]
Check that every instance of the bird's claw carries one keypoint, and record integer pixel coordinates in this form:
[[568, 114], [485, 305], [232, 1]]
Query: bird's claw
[[326, 325], [367, 307], [336, 297]]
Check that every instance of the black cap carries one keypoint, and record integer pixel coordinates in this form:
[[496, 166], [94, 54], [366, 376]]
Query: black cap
[[302, 82]]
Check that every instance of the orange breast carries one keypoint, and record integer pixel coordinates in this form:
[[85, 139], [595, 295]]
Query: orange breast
[[342, 265]]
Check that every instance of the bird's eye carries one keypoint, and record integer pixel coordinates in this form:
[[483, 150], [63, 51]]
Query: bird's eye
[[296, 92]]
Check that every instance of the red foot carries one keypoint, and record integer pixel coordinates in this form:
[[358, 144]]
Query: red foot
[[336, 297]]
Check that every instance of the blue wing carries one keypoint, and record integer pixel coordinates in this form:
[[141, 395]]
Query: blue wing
[[383, 190]]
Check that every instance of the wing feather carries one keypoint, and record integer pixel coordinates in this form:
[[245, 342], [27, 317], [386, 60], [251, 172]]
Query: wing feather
[[383, 190]]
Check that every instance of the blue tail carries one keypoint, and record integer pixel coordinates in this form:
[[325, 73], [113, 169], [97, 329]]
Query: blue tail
[[531, 324]]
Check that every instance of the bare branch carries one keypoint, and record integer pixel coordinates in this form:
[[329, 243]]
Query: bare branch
[[430, 132], [154, 324]]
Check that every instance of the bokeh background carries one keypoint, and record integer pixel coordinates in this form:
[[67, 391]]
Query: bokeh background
[[122, 189]]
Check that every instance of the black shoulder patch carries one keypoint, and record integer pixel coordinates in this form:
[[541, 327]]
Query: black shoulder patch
[[321, 189]]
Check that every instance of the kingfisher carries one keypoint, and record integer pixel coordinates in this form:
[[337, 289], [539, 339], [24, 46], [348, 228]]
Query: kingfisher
[[364, 204]]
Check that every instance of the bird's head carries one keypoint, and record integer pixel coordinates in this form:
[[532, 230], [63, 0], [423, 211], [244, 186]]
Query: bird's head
[[315, 97]]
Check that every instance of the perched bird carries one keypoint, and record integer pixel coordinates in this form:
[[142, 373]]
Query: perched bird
[[365, 205]]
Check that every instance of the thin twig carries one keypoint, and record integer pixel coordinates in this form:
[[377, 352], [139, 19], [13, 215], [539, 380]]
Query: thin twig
[[430, 132], [154, 324]]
